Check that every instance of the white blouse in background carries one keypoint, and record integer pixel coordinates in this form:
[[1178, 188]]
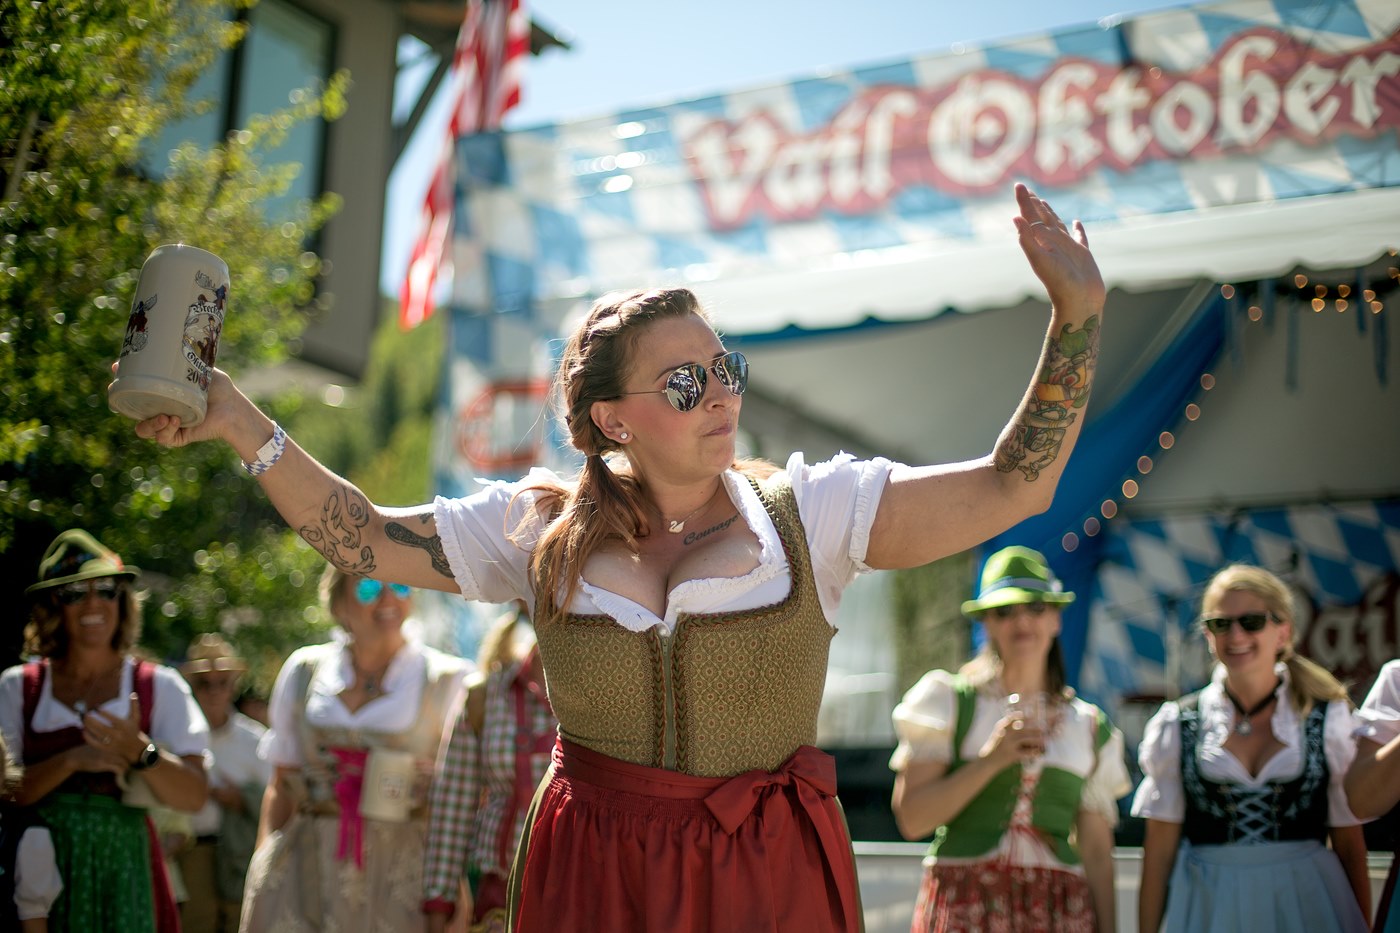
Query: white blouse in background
[[926, 719], [1378, 719], [1160, 795], [177, 723], [836, 499], [395, 710]]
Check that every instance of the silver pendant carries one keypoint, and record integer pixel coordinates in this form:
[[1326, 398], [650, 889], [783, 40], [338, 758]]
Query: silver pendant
[[80, 708], [676, 528], [1243, 727]]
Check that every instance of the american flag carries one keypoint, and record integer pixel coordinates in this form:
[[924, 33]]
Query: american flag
[[486, 67]]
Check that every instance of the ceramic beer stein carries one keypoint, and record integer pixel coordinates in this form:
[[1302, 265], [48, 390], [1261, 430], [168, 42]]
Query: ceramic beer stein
[[172, 336]]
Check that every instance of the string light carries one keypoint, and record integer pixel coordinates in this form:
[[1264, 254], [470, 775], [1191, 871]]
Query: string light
[[1166, 440]]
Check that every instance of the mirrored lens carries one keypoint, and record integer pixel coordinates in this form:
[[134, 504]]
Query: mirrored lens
[[733, 372], [70, 594], [686, 386], [1250, 622], [367, 591]]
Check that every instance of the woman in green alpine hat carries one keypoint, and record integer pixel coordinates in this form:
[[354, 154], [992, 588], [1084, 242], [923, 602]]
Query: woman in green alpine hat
[[87, 719], [1006, 764]]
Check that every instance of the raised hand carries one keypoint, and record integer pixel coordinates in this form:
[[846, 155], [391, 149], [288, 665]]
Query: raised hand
[[1059, 257], [222, 400]]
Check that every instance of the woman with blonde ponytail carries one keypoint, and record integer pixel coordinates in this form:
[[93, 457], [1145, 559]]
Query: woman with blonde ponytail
[[1244, 782], [683, 598]]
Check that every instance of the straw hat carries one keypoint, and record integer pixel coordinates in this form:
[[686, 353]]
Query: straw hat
[[1017, 575], [211, 653], [76, 555]]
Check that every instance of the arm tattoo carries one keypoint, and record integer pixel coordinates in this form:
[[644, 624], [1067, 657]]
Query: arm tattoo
[[1063, 384], [339, 535], [401, 534]]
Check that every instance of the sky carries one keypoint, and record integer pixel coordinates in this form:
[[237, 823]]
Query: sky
[[629, 53]]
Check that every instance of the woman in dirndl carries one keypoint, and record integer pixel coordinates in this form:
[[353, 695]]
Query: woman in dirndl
[[1017, 775], [340, 842], [684, 598], [1373, 780], [1243, 782], [103, 738]]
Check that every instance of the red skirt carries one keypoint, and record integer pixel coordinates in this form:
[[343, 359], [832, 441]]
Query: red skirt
[[620, 847], [993, 897]]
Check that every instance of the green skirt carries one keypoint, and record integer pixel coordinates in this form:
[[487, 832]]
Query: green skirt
[[104, 857]]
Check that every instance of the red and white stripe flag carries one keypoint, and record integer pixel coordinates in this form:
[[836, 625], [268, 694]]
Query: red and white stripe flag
[[486, 68]]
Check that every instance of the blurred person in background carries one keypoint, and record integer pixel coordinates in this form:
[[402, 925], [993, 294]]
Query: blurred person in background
[[1019, 776], [339, 711], [498, 753], [1373, 780], [29, 879], [98, 730], [225, 830], [1242, 787]]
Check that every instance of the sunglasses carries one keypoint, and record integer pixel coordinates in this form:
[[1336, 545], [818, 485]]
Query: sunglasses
[[1250, 622], [1006, 612], [70, 594], [685, 385], [367, 591]]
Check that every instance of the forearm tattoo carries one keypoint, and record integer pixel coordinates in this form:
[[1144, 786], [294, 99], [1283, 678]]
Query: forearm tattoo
[[401, 534], [339, 536], [1035, 440]]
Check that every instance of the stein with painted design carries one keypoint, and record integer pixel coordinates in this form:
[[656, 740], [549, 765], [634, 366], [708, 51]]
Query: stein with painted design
[[172, 336]]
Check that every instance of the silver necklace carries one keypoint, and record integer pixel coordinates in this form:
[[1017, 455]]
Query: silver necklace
[[676, 527], [1243, 726]]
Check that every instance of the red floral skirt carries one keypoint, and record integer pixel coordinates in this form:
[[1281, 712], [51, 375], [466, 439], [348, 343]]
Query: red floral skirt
[[993, 897], [620, 847]]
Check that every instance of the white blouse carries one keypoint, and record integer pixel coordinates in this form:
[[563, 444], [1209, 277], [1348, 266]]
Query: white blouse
[[927, 717], [37, 881], [1378, 719], [395, 710], [177, 723], [836, 499], [1160, 795]]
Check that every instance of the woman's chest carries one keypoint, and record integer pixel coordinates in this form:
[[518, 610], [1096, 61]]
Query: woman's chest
[[666, 567]]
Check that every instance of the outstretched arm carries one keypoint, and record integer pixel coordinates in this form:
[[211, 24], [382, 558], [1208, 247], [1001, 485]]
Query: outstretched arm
[[352, 533], [932, 511]]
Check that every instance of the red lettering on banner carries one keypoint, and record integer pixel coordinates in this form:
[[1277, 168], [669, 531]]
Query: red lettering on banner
[[501, 429], [976, 134], [1354, 641]]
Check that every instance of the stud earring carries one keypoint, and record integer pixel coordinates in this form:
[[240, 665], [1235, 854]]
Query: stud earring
[[623, 436]]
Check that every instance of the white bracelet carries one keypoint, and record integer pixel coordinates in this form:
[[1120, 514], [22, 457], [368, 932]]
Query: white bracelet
[[268, 453]]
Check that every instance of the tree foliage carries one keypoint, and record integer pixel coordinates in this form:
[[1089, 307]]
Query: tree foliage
[[85, 88]]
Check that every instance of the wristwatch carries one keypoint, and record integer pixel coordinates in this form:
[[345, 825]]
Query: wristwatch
[[147, 759]]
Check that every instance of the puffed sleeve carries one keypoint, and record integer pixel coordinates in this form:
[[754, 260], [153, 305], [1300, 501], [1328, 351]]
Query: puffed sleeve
[[1340, 749], [476, 538], [924, 721], [838, 499], [12, 710], [280, 746], [37, 881], [1108, 781], [1159, 796], [1378, 719], [177, 722]]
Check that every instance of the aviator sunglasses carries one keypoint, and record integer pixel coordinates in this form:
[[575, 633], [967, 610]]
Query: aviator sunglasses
[[70, 594], [367, 591], [685, 385], [1250, 622]]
